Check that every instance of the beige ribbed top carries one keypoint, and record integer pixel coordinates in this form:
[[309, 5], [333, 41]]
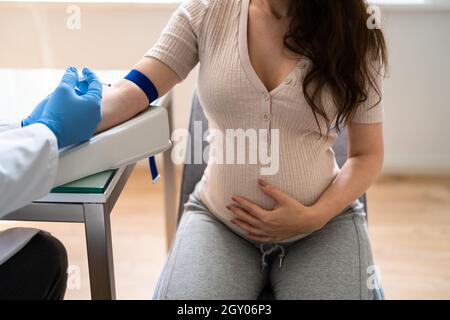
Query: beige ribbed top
[[214, 33]]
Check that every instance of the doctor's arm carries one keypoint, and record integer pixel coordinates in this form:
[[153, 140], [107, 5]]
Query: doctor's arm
[[125, 99], [28, 165], [6, 124], [29, 155]]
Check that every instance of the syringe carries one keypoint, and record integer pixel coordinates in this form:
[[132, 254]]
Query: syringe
[[81, 79], [81, 90]]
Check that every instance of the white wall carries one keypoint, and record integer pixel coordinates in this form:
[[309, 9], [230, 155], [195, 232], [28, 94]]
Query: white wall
[[417, 94], [111, 37]]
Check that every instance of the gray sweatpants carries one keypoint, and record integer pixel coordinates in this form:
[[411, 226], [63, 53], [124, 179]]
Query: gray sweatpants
[[208, 260]]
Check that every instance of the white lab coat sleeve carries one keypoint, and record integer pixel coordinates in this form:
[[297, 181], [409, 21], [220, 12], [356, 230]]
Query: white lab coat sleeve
[[9, 124], [13, 240], [28, 165]]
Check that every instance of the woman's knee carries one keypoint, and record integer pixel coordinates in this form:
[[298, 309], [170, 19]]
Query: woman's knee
[[333, 263], [209, 261]]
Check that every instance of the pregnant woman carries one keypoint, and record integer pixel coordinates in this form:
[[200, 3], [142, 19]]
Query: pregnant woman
[[305, 69]]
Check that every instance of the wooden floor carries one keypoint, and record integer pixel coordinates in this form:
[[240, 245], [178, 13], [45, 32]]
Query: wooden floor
[[409, 223]]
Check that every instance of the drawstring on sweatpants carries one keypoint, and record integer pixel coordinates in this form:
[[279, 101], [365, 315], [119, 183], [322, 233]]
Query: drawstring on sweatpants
[[274, 247]]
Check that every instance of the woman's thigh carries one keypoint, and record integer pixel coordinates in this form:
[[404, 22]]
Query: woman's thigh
[[208, 261], [332, 263]]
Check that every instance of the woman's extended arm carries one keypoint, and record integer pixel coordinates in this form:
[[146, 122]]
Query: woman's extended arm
[[125, 99], [168, 62]]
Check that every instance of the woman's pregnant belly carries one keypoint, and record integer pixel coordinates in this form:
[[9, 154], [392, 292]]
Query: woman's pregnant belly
[[305, 183]]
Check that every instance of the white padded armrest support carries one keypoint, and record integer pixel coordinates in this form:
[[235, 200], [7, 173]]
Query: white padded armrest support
[[140, 137]]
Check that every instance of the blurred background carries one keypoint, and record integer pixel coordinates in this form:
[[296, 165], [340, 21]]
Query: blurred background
[[409, 205]]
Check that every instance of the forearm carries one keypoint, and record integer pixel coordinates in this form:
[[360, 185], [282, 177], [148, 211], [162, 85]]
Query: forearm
[[355, 177], [121, 102], [125, 99]]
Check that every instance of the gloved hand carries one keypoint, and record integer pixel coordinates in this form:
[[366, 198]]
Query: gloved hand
[[82, 87], [73, 118], [37, 112]]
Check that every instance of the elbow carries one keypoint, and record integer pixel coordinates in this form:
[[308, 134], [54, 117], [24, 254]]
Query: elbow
[[370, 162]]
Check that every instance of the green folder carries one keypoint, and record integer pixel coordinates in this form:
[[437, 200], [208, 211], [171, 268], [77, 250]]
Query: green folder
[[96, 183]]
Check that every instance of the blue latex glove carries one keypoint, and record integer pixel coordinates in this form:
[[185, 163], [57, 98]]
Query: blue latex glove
[[73, 118], [82, 87], [37, 112]]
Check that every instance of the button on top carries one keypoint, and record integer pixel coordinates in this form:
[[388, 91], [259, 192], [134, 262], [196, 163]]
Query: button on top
[[266, 96], [266, 116], [288, 81]]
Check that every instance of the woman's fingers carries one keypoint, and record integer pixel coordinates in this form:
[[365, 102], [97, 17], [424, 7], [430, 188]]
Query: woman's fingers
[[244, 215], [276, 194], [249, 228], [250, 207], [250, 224], [261, 239]]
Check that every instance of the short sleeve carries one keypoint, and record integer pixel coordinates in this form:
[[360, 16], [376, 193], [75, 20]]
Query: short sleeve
[[177, 47], [371, 111]]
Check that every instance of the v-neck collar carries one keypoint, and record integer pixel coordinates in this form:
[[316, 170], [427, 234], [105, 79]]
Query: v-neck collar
[[245, 56]]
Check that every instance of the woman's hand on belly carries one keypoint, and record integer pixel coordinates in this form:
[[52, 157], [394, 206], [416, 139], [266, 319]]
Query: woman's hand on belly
[[287, 219]]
